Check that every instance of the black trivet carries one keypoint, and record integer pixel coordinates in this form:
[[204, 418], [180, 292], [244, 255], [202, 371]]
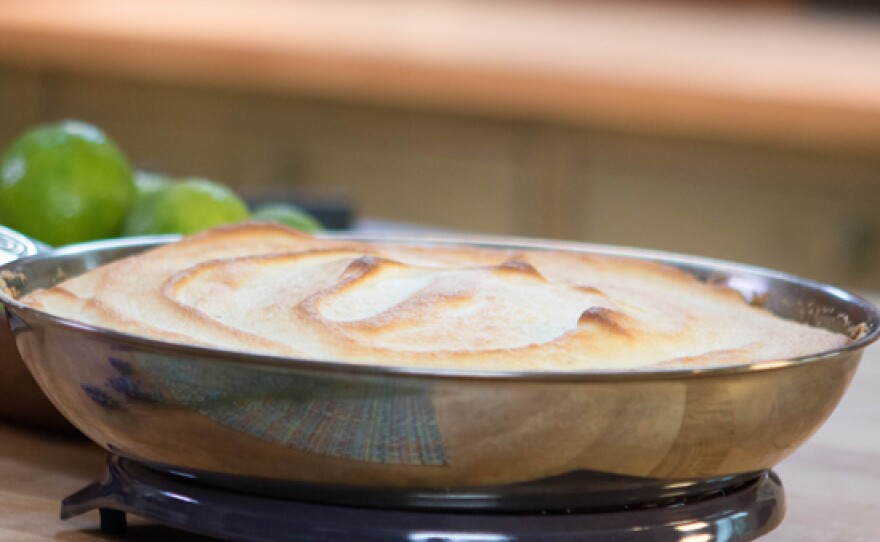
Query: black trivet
[[742, 512]]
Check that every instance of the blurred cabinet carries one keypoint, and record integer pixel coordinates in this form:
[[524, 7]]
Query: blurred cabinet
[[814, 213], [403, 165], [806, 213]]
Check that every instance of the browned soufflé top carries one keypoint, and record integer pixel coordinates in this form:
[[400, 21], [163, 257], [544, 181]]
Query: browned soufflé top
[[264, 288]]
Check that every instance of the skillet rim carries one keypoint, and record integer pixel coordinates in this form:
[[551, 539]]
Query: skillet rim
[[682, 261]]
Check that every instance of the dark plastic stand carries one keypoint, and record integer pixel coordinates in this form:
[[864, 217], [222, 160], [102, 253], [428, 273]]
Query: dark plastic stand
[[743, 513]]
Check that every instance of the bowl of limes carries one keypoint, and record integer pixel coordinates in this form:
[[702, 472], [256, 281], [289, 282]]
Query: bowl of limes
[[69, 182]]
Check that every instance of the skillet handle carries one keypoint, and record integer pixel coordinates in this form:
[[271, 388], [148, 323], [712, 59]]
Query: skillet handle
[[21, 400], [14, 245]]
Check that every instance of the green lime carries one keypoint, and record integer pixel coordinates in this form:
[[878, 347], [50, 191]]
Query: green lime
[[148, 183], [286, 213], [64, 183], [185, 206]]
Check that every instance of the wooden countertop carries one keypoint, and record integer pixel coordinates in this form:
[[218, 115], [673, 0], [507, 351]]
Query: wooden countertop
[[830, 483], [782, 75]]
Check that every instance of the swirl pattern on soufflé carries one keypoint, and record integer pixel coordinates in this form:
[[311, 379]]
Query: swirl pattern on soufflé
[[268, 289]]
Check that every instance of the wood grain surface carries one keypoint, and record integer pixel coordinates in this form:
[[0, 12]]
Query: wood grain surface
[[799, 76]]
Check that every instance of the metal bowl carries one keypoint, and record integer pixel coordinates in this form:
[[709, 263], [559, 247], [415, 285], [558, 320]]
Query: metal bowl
[[388, 436]]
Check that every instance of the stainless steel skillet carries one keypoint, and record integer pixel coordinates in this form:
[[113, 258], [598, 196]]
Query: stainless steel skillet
[[390, 436]]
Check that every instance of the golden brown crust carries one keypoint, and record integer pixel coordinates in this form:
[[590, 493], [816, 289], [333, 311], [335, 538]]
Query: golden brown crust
[[265, 288]]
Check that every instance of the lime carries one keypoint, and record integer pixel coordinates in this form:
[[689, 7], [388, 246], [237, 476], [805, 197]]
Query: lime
[[286, 213], [64, 183], [185, 206], [148, 183]]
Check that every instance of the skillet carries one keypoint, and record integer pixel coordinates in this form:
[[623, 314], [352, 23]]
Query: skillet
[[345, 433]]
